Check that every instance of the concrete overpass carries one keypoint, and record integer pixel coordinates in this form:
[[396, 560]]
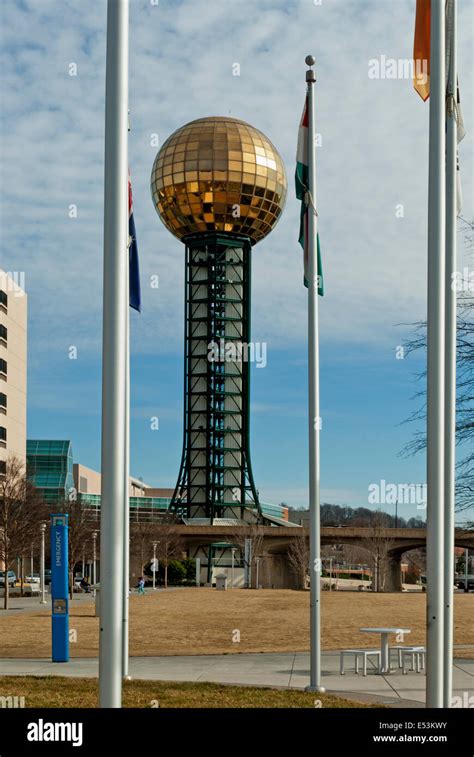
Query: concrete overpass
[[392, 544]]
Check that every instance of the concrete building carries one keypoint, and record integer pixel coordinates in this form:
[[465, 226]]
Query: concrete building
[[13, 363], [88, 481], [146, 502], [300, 517]]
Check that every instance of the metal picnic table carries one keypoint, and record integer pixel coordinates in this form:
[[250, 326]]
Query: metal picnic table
[[384, 647]]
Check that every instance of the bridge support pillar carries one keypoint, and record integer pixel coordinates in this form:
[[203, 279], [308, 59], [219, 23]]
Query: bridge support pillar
[[275, 572], [393, 573]]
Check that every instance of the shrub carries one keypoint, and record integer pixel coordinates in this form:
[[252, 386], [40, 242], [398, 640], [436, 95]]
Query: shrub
[[176, 572], [190, 567]]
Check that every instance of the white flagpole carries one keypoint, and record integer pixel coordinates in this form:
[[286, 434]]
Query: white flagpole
[[450, 357], [126, 512], [114, 353], [313, 398], [436, 367]]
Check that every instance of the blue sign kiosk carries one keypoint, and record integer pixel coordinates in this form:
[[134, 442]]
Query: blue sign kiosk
[[59, 587]]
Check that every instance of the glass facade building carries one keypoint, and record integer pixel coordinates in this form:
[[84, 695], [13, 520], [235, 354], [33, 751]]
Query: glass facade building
[[142, 509], [49, 467]]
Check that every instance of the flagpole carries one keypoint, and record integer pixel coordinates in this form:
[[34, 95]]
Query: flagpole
[[436, 367], [313, 399], [114, 353], [126, 511], [450, 357]]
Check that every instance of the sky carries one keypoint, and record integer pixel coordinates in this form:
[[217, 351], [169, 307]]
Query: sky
[[372, 169]]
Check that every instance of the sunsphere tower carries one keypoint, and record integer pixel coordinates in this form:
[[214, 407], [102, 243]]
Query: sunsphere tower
[[219, 185]]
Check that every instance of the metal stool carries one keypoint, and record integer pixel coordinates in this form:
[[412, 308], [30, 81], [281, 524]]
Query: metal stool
[[399, 648], [364, 653], [417, 655]]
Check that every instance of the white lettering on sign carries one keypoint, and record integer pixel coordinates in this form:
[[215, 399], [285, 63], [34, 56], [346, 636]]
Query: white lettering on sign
[[58, 549]]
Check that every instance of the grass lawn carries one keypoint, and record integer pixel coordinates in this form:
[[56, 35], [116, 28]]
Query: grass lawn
[[47, 691], [204, 621]]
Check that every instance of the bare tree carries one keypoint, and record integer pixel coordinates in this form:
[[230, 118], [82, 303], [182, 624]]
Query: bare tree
[[170, 543], [254, 533], [378, 546], [22, 511], [298, 558], [142, 536], [416, 559], [464, 387], [81, 525], [26, 538]]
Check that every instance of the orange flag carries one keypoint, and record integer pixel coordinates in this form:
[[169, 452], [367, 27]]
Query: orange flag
[[421, 49]]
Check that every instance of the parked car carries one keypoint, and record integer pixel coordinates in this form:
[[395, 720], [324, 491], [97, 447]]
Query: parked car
[[11, 578], [461, 583], [47, 576], [33, 579]]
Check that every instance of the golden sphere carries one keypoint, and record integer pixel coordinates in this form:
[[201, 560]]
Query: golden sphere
[[218, 174]]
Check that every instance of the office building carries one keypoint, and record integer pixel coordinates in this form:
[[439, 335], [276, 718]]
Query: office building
[[13, 362]]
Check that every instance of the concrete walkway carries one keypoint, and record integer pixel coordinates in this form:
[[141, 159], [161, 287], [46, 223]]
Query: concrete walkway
[[285, 670], [21, 605]]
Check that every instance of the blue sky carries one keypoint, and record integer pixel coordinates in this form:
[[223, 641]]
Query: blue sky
[[373, 158]]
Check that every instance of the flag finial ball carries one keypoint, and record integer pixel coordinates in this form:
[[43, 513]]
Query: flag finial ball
[[310, 60]]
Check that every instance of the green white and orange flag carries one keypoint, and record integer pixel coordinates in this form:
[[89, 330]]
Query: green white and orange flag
[[421, 65], [304, 193]]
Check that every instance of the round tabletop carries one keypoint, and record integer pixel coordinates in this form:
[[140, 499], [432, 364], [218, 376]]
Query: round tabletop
[[386, 630]]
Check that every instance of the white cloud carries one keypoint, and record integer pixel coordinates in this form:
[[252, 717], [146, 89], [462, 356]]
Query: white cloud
[[374, 155]]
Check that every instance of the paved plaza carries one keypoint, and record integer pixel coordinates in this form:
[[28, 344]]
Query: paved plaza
[[285, 670]]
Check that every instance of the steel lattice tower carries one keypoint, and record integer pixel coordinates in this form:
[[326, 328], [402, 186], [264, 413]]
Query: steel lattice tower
[[219, 185], [215, 477]]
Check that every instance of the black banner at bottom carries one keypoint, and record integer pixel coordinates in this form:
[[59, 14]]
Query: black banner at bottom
[[94, 732]]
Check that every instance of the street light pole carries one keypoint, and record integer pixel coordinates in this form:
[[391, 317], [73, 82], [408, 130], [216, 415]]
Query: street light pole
[[94, 558], [154, 565], [43, 599]]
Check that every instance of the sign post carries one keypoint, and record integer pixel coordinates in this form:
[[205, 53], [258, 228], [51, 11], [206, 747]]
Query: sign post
[[59, 588], [198, 572], [247, 560]]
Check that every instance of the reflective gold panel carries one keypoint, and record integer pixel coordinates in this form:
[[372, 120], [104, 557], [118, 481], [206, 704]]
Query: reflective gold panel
[[233, 166]]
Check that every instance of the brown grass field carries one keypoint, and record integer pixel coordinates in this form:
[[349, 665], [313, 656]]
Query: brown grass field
[[202, 621], [42, 691]]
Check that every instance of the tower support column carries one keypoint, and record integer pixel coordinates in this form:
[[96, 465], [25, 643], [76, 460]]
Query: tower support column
[[215, 478]]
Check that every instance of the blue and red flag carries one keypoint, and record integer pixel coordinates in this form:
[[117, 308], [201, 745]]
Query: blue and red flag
[[134, 270]]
